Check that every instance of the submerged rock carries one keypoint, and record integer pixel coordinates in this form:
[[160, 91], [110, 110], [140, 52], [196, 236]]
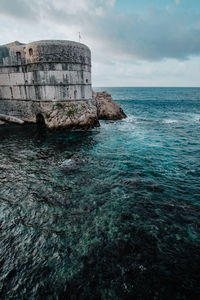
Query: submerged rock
[[106, 108], [72, 163]]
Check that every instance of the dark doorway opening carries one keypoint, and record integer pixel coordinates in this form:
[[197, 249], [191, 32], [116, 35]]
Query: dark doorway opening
[[30, 51], [40, 120]]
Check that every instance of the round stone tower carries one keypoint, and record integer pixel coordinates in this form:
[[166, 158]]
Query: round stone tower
[[42, 77], [58, 70]]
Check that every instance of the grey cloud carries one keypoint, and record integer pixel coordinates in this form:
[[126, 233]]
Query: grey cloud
[[153, 35], [20, 9]]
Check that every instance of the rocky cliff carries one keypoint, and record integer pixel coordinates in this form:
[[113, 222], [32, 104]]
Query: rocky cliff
[[71, 114], [106, 108], [83, 114]]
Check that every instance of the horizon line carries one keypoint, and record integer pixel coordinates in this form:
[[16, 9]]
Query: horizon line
[[145, 86]]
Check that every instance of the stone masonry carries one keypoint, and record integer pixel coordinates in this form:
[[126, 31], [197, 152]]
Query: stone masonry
[[49, 80]]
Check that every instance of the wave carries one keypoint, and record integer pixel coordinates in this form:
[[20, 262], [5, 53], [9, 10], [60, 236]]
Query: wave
[[169, 121]]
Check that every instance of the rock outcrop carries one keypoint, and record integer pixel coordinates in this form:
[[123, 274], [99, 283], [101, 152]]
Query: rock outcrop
[[106, 108], [81, 114], [72, 115]]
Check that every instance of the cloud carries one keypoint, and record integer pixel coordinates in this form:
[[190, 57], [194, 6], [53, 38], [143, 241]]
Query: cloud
[[20, 9], [169, 72], [152, 35], [35, 8], [177, 1], [148, 48]]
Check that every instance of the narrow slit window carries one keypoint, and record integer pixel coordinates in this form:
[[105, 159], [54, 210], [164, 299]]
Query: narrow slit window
[[18, 54], [75, 94], [31, 52]]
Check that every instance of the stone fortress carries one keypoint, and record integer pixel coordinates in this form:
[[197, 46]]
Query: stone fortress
[[48, 82]]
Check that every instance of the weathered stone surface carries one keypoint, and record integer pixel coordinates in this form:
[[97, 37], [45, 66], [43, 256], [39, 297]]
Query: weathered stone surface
[[11, 119], [72, 115], [56, 114], [106, 108], [48, 80], [45, 71]]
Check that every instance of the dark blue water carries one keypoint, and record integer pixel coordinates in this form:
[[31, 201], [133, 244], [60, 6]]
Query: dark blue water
[[112, 213]]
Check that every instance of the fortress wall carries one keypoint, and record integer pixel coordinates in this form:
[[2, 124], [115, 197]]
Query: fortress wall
[[45, 77], [57, 51], [44, 67], [36, 76], [46, 92], [46, 85]]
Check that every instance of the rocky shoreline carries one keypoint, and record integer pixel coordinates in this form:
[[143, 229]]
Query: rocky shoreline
[[83, 114]]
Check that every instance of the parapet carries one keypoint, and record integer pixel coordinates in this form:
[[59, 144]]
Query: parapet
[[48, 51]]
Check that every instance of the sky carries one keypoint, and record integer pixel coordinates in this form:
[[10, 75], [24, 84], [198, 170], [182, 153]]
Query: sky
[[133, 42]]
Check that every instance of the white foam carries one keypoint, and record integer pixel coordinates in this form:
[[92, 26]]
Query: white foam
[[197, 118], [67, 163], [169, 121], [130, 119]]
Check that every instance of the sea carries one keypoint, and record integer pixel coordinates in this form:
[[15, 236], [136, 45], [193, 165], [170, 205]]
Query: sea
[[109, 213]]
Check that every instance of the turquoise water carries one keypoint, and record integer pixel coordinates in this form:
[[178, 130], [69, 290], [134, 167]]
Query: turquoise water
[[112, 213]]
